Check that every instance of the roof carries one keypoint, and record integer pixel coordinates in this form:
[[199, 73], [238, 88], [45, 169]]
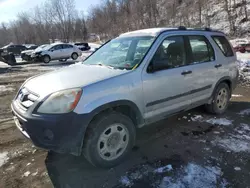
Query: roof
[[148, 32], [157, 31]]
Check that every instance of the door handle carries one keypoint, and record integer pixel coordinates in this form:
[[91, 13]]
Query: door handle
[[186, 72], [218, 65]]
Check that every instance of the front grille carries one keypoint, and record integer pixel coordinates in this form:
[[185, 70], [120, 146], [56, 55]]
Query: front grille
[[25, 98]]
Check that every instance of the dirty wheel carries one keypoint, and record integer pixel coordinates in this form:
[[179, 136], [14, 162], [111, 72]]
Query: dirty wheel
[[109, 139], [46, 59], [74, 56], [221, 99]]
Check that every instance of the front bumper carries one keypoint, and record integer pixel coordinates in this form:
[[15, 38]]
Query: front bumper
[[36, 57], [26, 57], [59, 133]]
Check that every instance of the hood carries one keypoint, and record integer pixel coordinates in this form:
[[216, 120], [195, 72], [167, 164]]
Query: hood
[[27, 51], [78, 75]]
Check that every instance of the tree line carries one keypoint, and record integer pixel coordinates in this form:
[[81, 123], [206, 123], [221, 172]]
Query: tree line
[[59, 19]]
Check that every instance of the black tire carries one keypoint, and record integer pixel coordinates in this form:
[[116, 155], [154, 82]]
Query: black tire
[[98, 127], [11, 59], [74, 56], [46, 59], [215, 107]]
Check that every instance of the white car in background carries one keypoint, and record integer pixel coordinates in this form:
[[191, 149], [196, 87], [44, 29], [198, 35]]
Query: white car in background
[[57, 51]]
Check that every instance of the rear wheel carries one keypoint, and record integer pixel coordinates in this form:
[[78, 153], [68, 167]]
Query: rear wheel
[[221, 99], [46, 59], [74, 56], [109, 139]]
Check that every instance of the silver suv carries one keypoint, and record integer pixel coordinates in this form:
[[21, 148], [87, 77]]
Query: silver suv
[[93, 108]]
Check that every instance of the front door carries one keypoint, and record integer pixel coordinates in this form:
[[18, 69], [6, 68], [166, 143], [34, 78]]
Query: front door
[[166, 83]]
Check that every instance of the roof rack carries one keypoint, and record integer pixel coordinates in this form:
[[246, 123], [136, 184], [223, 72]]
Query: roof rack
[[198, 29]]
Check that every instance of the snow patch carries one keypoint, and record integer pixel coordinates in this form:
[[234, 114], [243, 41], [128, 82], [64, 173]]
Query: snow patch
[[6, 88], [197, 118], [3, 158], [234, 145], [195, 176], [164, 169], [245, 112], [236, 142], [237, 95], [237, 168], [26, 174], [245, 127], [221, 121], [35, 173], [125, 181]]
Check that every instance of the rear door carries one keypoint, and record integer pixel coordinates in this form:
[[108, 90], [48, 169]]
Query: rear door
[[67, 50], [202, 63], [166, 81]]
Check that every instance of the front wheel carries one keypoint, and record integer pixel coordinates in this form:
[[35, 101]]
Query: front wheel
[[109, 139], [220, 100], [46, 59]]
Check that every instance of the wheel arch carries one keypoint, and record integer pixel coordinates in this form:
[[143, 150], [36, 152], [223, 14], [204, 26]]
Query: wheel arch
[[226, 80], [125, 107]]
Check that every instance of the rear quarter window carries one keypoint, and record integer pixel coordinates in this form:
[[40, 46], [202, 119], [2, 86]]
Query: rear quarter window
[[224, 45]]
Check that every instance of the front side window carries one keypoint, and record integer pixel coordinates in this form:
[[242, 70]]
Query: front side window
[[202, 51], [170, 54], [122, 53], [224, 45], [57, 47]]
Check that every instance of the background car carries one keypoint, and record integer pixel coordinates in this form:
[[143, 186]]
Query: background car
[[26, 54], [239, 48], [14, 48], [83, 46], [57, 51]]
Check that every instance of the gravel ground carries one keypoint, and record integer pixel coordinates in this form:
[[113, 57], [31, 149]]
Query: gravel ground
[[193, 149]]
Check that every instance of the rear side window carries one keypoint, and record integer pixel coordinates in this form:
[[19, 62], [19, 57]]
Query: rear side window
[[224, 45], [202, 51]]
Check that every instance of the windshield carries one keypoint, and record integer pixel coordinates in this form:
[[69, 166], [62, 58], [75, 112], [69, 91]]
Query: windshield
[[122, 53]]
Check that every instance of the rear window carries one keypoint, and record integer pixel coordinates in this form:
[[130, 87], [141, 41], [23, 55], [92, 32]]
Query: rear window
[[224, 45]]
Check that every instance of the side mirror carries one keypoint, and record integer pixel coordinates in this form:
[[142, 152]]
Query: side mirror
[[151, 68]]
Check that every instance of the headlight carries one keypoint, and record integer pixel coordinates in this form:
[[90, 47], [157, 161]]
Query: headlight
[[61, 102]]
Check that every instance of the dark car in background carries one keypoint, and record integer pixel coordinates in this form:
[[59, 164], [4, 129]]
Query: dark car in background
[[83, 46], [242, 48], [14, 48]]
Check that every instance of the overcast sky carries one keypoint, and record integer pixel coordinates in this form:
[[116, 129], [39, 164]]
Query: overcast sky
[[10, 8]]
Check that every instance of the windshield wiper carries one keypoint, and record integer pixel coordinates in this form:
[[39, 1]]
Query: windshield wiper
[[100, 64]]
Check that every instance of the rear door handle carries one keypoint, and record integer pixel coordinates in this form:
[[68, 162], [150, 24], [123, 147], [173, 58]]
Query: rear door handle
[[218, 65], [186, 72]]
